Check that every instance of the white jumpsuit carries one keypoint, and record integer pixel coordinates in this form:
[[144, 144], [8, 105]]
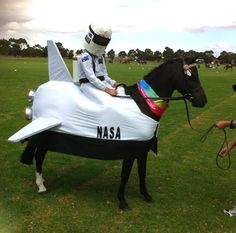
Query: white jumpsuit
[[92, 68]]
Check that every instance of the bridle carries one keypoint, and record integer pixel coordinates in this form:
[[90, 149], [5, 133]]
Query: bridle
[[188, 73], [184, 97]]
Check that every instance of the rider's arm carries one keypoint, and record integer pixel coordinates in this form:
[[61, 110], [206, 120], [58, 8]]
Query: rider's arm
[[105, 74], [223, 124]]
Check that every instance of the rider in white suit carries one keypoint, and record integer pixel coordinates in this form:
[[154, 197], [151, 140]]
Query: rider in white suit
[[92, 71]]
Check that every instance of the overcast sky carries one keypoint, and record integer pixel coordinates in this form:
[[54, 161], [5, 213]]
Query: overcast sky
[[179, 24]]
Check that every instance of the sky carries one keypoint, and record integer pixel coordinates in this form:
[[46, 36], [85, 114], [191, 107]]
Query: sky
[[198, 25]]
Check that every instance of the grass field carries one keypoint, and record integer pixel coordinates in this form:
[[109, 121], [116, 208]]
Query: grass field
[[190, 191]]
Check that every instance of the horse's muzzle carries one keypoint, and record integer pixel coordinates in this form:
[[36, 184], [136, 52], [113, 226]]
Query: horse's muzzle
[[199, 98]]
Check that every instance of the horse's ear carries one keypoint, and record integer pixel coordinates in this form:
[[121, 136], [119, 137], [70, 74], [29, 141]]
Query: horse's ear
[[193, 60], [189, 60]]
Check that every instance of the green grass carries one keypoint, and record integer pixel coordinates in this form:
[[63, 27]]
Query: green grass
[[190, 191]]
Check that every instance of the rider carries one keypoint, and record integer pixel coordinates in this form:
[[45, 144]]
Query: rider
[[92, 71]]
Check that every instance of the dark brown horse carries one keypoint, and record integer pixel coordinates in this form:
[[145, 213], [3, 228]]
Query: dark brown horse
[[228, 66], [179, 74]]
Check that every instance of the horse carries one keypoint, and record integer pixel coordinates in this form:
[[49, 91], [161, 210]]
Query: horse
[[228, 66], [208, 65], [141, 61], [163, 80], [125, 60]]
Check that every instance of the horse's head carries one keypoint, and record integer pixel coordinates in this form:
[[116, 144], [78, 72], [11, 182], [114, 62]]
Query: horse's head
[[188, 82]]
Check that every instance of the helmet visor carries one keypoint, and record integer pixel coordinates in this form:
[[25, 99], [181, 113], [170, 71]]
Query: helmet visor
[[97, 39]]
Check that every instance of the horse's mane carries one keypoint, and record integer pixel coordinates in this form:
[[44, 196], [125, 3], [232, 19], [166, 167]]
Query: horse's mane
[[159, 69]]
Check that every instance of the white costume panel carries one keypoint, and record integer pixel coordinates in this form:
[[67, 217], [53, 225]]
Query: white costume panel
[[103, 117], [60, 105]]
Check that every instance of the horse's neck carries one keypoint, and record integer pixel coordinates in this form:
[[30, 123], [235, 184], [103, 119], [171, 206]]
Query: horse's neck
[[140, 101], [161, 83]]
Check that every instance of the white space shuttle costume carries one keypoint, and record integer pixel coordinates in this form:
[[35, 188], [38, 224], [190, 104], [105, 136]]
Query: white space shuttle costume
[[84, 120], [61, 106]]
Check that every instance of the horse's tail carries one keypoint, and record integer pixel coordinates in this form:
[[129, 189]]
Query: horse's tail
[[28, 155]]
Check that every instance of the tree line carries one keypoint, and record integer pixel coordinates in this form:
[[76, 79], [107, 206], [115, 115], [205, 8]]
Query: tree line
[[20, 47]]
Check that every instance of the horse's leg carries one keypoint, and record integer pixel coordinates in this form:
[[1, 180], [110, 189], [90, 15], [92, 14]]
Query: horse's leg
[[39, 158], [125, 173], [142, 167]]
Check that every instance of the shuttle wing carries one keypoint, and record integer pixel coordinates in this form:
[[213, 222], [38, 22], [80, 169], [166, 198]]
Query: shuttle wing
[[37, 126]]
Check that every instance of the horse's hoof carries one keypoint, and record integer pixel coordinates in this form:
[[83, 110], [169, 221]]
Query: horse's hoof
[[42, 189], [42, 193], [148, 199], [124, 207]]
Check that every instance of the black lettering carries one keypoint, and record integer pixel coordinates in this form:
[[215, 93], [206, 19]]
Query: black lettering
[[117, 133], [111, 132], [105, 133], [99, 132], [108, 133]]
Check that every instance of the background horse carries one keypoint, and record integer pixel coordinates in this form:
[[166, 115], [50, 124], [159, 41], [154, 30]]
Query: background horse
[[163, 80], [125, 60], [228, 66]]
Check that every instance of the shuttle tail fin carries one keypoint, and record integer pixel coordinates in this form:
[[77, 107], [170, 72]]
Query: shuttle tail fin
[[57, 68]]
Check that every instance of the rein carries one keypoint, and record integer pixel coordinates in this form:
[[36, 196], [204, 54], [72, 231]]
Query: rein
[[225, 142], [184, 97], [205, 135]]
